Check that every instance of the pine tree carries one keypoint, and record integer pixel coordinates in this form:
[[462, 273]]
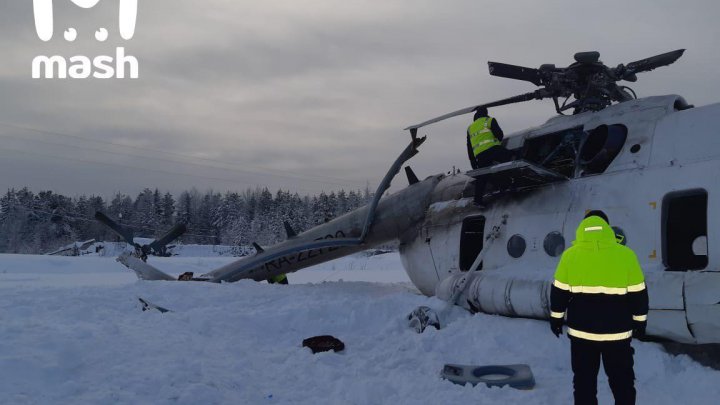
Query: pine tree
[[168, 210], [342, 203], [146, 226]]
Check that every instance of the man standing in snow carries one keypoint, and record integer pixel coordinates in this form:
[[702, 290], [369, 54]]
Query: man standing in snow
[[601, 286]]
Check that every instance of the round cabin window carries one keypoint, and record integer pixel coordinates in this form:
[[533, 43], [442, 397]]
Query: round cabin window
[[516, 246], [554, 244]]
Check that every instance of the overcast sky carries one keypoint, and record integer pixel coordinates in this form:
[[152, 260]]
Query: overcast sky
[[306, 95]]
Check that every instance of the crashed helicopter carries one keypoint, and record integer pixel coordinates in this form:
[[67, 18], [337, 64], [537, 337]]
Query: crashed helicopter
[[649, 163]]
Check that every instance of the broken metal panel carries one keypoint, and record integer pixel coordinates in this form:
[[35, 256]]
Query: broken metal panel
[[614, 114], [669, 325], [704, 322], [638, 116], [517, 175]]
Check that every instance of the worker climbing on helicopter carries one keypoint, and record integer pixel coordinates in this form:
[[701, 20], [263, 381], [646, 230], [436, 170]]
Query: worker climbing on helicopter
[[483, 145], [483, 141]]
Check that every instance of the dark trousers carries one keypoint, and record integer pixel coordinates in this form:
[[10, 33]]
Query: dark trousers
[[494, 155], [617, 358]]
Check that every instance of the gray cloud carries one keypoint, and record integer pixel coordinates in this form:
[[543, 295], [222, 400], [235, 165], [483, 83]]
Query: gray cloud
[[306, 96]]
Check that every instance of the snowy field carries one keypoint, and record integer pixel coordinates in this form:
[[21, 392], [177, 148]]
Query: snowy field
[[72, 332]]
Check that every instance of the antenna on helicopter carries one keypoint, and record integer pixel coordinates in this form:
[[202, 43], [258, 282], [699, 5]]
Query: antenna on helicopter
[[591, 83]]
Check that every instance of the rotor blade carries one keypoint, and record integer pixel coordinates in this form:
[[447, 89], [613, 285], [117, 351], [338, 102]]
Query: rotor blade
[[535, 95], [531, 75], [124, 233], [170, 236], [242, 268], [653, 62], [443, 117]]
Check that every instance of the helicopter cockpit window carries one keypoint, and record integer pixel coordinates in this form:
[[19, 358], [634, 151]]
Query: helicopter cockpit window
[[600, 147], [575, 152], [557, 151]]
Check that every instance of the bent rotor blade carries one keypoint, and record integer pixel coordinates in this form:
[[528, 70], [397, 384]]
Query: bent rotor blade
[[253, 266], [653, 62], [124, 233], [172, 234], [535, 95], [443, 117], [531, 75], [143, 270]]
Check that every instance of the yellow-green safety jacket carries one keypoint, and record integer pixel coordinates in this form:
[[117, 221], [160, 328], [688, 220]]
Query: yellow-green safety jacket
[[481, 136], [600, 284], [278, 279]]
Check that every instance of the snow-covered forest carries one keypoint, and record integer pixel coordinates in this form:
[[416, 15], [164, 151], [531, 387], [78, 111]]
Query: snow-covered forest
[[37, 223]]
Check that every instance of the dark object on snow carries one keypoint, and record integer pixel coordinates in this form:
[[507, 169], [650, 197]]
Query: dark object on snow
[[517, 376], [147, 306], [422, 317], [324, 343], [187, 276]]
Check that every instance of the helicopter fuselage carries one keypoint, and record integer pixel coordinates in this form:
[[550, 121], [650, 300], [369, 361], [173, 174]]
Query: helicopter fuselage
[[658, 188], [650, 164]]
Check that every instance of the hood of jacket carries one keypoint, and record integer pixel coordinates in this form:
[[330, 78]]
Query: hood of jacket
[[594, 233]]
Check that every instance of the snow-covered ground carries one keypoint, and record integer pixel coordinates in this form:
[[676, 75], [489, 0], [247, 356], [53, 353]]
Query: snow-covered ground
[[71, 332]]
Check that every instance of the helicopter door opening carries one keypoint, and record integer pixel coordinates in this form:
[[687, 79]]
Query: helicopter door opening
[[471, 241], [684, 230]]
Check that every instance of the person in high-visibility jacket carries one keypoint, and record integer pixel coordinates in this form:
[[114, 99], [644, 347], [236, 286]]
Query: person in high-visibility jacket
[[279, 279], [601, 287], [483, 144], [483, 141]]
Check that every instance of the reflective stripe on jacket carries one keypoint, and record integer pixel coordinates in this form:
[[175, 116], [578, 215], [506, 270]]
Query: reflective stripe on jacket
[[481, 136], [600, 284]]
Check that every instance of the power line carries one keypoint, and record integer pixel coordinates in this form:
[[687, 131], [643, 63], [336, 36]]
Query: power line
[[258, 171], [133, 167], [165, 159]]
